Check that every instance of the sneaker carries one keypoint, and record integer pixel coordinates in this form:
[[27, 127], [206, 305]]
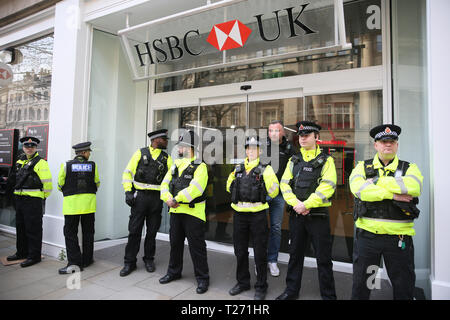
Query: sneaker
[[274, 271]]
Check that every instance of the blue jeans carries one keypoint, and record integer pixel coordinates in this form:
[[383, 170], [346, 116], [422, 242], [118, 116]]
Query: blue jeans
[[276, 210]]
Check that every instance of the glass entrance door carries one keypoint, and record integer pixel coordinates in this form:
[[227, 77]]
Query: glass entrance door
[[346, 119]]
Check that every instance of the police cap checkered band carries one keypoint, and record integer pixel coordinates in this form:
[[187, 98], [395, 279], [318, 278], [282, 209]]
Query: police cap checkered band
[[252, 141], [307, 127], [385, 132], [30, 141], [158, 133]]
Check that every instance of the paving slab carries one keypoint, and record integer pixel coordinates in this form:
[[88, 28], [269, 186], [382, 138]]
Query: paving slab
[[112, 280], [136, 293], [87, 291], [171, 289]]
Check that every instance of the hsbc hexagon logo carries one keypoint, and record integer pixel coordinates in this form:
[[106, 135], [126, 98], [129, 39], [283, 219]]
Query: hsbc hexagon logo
[[229, 35]]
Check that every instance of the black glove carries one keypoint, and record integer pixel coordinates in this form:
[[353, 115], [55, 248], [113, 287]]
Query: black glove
[[129, 198]]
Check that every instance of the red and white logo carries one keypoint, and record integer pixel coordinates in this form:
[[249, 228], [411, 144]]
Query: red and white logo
[[387, 130], [229, 35]]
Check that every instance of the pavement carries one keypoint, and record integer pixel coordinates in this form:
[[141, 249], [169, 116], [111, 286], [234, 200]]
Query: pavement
[[101, 280]]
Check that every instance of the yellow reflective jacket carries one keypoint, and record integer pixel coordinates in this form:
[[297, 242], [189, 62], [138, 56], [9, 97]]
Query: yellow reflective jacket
[[43, 171], [83, 203], [384, 188], [270, 182], [195, 189], [130, 171], [325, 190]]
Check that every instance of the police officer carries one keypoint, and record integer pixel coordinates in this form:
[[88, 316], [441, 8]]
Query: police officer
[[307, 185], [183, 189], [78, 180], [141, 181], [32, 185], [249, 184], [386, 191], [277, 139]]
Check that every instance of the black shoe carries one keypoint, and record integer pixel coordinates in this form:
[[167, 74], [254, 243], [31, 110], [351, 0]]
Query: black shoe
[[29, 262], [70, 269], [238, 289], [202, 287], [260, 295], [168, 278], [15, 257], [150, 266], [127, 269], [287, 296]]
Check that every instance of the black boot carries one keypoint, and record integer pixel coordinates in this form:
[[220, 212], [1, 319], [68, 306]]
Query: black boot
[[127, 269]]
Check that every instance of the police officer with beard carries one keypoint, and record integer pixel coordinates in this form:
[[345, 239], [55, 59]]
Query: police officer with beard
[[183, 189], [32, 185], [307, 184], [141, 181], [78, 180], [250, 184]]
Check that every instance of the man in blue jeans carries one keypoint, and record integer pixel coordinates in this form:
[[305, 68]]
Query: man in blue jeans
[[276, 135]]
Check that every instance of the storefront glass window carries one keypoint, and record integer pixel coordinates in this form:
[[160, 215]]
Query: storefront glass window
[[346, 119], [28, 95], [363, 30]]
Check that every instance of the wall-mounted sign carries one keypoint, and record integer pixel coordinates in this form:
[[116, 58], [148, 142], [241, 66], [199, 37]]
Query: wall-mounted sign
[[40, 132], [8, 146], [231, 33], [6, 74]]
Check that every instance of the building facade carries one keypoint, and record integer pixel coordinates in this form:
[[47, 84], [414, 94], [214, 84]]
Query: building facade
[[110, 71]]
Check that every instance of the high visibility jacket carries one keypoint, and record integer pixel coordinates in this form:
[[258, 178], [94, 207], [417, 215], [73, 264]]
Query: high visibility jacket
[[270, 183], [320, 197], [196, 188], [384, 189], [80, 203], [129, 178], [42, 170]]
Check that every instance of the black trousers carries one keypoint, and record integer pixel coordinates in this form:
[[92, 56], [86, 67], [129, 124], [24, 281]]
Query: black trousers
[[29, 226], [74, 255], [184, 226], [367, 251], [317, 228], [147, 207], [252, 224]]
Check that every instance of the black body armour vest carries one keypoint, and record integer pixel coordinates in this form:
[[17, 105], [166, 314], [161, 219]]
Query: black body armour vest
[[386, 209], [179, 183], [151, 171], [306, 178], [80, 177], [26, 177], [249, 187]]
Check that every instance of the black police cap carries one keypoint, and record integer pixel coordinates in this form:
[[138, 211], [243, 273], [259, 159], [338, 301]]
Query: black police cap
[[83, 146], [305, 127], [252, 141], [157, 134], [385, 132], [30, 141]]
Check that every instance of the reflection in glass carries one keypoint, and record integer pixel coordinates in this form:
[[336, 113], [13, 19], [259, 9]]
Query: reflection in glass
[[363, 30], [346, 119], [21, 100]]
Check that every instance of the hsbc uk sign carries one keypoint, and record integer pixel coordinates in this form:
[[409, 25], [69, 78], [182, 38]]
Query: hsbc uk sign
[[223, 36]]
